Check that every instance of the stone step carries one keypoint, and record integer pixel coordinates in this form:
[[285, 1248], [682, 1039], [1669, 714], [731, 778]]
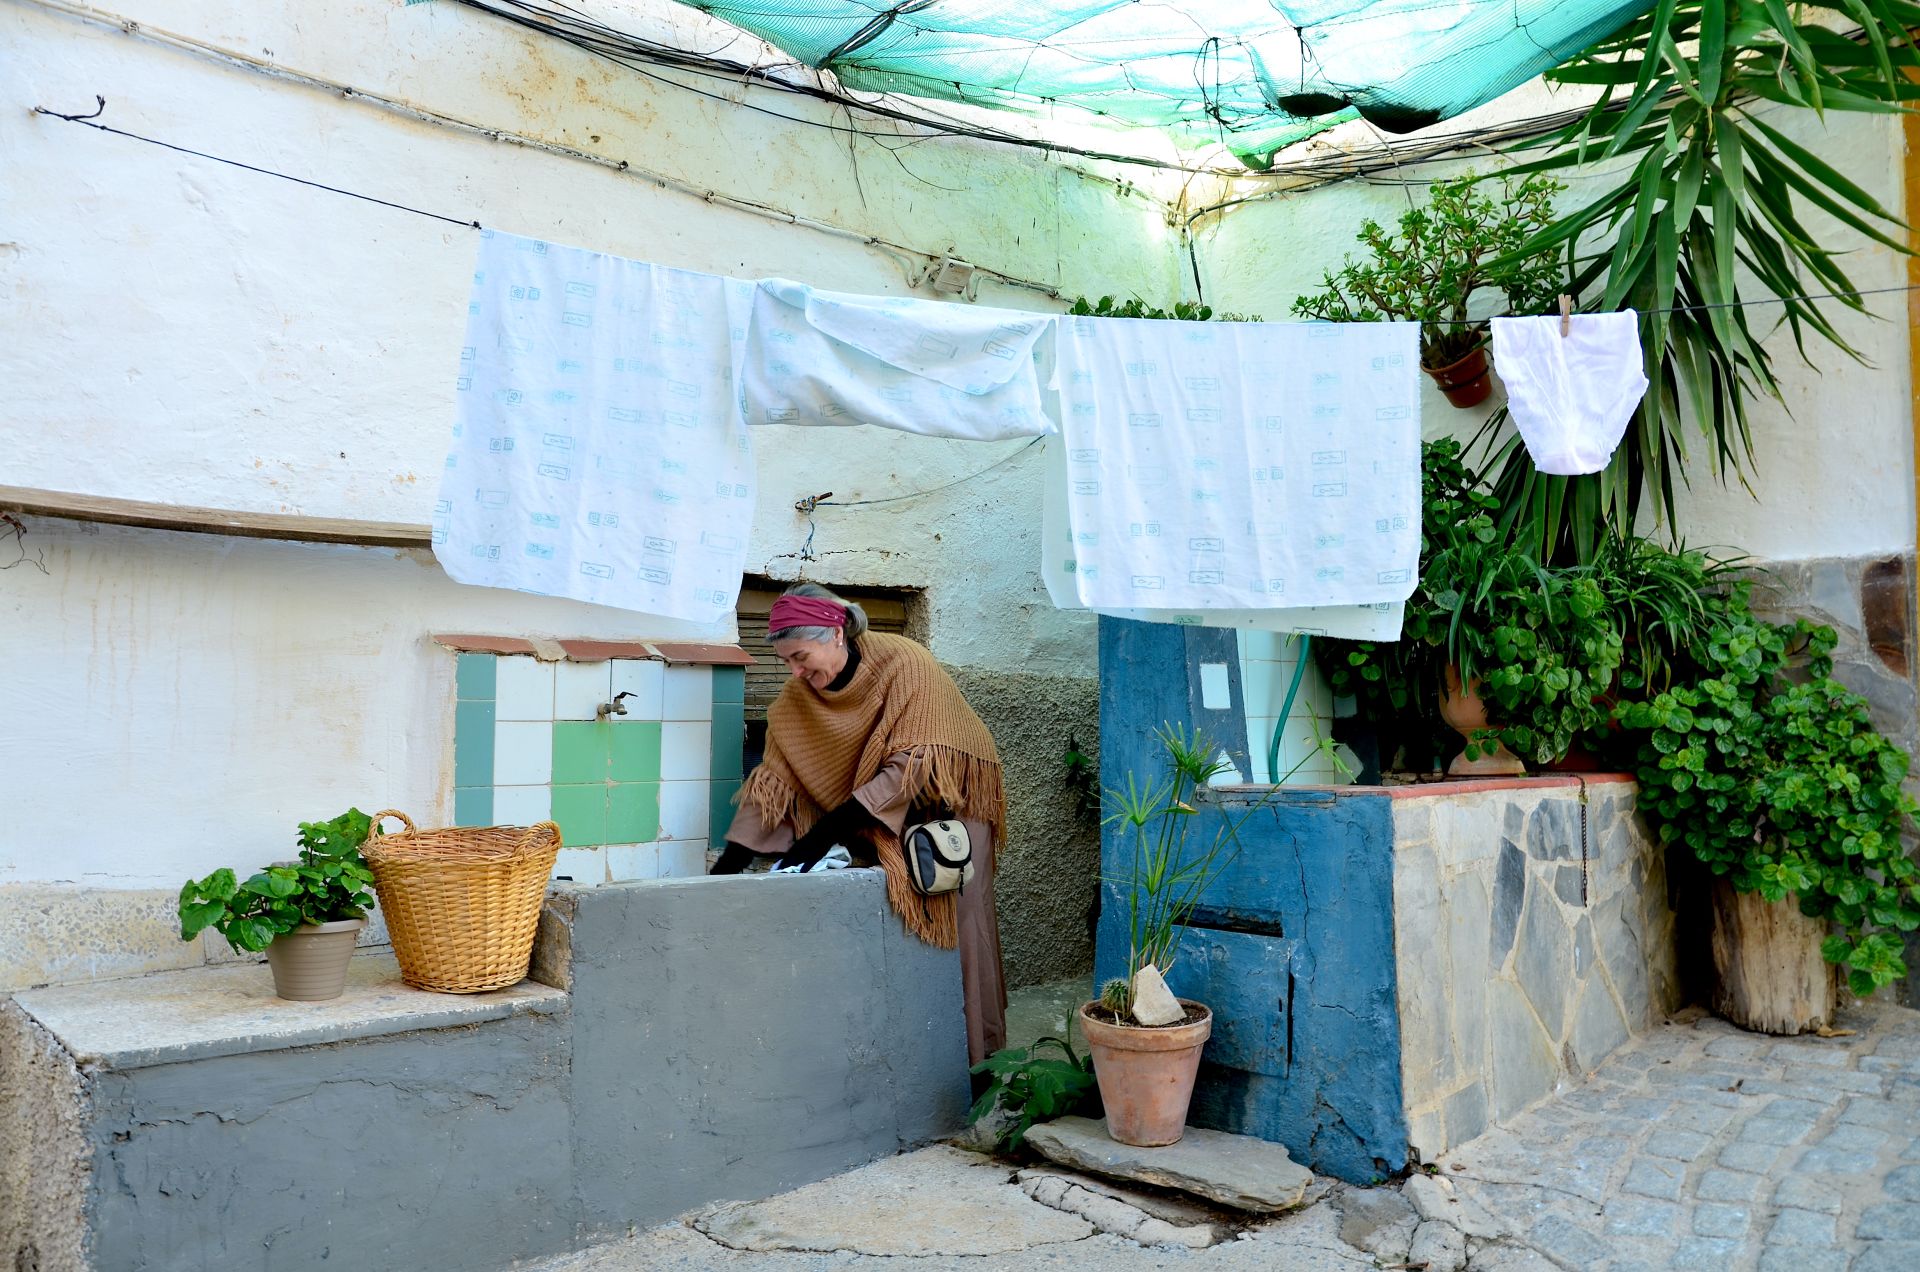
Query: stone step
[[1237, 1171]]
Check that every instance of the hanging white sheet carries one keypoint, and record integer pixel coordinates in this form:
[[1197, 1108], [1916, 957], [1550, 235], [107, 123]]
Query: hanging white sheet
[[921, 366], [1240, 466], [1571, 396], [598, 451], [1059, 565]]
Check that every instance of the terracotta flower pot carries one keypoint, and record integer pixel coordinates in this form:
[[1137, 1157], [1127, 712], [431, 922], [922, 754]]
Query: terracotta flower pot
[[310, 963], [1467, 382], [1465, 711], [1146, 1074]]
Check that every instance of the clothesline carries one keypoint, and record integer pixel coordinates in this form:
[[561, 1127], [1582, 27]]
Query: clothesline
[[471, 223]]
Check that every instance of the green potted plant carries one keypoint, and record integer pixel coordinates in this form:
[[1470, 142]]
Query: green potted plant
[[306, 913], [1445, 257], [1769, 771], [1146, 1043]]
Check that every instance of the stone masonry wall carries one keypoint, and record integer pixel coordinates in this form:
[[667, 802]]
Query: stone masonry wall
[[1507, 981]]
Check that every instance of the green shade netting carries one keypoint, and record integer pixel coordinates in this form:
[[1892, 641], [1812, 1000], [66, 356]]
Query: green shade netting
[[1254, 75]]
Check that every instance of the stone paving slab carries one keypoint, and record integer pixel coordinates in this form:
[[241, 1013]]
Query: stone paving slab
[[205, 1012], [1234, 1170]]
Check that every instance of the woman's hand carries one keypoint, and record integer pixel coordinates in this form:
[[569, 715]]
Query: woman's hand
[[733, 859], [834, 828]]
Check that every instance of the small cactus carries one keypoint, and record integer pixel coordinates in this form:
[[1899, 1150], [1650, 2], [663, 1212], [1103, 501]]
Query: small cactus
[[1117, 996]]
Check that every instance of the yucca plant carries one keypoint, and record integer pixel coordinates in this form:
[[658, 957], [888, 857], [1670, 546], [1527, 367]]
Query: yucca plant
[[1166, 879], [1706, 218]]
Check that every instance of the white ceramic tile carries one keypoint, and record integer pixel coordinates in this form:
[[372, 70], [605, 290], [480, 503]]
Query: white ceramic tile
[[522, 805], [522, 753], [684, 747], [689, 694], [645, 680], [582, 865], [580, 688], [683, 859], [1257, 645], [683, 810], [633, 861], [1259, 735], [522, 688], [1256, 684]]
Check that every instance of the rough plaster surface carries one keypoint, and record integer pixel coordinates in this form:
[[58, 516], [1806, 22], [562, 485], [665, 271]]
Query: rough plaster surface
[[45, 1163], [1048, 878], [755, 1033], [1508, 984], [440, 1148]]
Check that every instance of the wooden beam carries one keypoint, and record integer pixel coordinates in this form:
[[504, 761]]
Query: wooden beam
[[244, 525]]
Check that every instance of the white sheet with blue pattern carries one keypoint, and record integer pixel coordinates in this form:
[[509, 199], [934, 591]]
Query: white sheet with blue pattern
[[598, 449]]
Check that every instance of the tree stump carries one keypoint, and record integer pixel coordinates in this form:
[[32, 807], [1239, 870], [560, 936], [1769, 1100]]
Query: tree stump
[[1770, 976]]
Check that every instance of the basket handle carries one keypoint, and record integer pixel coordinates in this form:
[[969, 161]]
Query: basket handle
[[379, 817]]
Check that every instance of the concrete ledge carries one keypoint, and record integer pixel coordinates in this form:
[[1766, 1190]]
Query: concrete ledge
[[205, 1012]]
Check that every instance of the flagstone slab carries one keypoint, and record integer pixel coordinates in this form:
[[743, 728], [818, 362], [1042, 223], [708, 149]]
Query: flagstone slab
[[1237, 1171]]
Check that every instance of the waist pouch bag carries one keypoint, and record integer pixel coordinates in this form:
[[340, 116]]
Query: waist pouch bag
[[939, 857]]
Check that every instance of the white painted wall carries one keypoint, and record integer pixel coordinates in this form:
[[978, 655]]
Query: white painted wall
[[1833, 472], [186, 332]]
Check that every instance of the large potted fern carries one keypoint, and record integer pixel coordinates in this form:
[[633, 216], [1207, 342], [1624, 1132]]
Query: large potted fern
[[1146, 1042]]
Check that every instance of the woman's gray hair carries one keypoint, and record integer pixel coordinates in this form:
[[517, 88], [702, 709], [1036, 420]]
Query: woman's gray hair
[[856, 617]]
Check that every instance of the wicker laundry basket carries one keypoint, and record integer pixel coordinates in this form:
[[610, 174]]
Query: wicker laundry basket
[[462, 904]]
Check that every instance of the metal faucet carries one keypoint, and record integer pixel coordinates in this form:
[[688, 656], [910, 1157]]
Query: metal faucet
[[616, 707]]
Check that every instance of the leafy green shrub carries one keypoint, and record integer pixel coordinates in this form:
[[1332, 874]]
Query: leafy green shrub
[[1033, 1087], [1134, 307], [1775, 778], [327, 882]]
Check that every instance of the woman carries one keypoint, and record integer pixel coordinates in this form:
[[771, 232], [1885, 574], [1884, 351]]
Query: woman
[[869, 737]]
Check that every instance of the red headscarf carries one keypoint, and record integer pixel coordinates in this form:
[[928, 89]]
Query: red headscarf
[[804, 611]]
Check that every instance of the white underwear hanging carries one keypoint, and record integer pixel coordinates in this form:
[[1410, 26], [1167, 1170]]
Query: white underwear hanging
[[1571, 396]]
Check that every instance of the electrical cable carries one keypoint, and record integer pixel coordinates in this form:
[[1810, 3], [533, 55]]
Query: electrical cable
[[89, 121]]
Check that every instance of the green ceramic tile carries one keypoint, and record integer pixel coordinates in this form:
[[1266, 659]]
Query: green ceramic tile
[[472, 744], [729, 734], [720, 811], [473, 806], [633, 813], [473, 677], [729, 684], [581, 812], [581, 751], [636, 752]]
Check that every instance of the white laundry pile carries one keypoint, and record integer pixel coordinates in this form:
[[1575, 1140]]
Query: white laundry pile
[[1240, 466], [1571, 396], [921, 366], [835, 858], [598, 451], [1059, 564]]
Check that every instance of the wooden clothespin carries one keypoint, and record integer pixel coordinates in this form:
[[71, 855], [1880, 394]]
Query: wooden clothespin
[[1566, 315]]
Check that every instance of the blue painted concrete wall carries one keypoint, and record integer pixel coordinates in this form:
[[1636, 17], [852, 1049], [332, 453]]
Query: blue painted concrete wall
[[1293, 945]]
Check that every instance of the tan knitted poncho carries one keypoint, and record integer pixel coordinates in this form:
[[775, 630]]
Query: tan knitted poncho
[[822, 746]]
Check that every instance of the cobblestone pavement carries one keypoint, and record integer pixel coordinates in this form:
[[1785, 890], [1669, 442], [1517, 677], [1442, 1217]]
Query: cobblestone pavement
[[1695, 1146], [1700, 1146]]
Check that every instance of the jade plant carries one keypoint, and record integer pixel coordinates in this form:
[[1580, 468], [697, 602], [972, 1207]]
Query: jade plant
[[328, 881], [1446, 263]]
